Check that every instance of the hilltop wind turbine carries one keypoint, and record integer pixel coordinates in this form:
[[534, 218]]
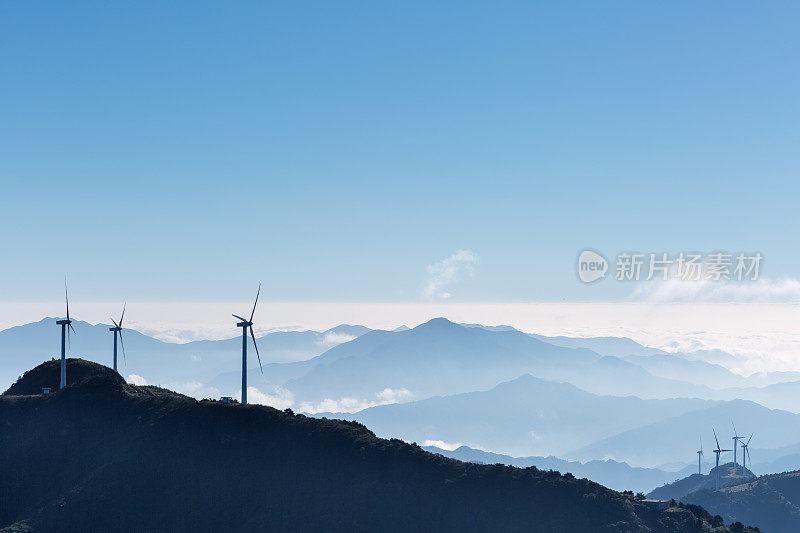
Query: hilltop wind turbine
[[117, 329], [700, 457], [245, 324], [66, 325], [736, 439], [746, 452], [717, 452]]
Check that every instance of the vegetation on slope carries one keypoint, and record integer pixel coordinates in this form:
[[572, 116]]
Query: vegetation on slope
[[102, 455]]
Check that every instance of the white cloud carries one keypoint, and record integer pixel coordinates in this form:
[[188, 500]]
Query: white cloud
[[195, 389], [449, 446], [394, 396], [341, 405], [279, 399], [135, 379], [349, 404], [194, 358], [763, 290], [332, 339], [448, 271]]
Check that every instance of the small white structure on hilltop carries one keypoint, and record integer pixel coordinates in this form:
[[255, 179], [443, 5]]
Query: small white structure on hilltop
[[226, 399], [656, 504]]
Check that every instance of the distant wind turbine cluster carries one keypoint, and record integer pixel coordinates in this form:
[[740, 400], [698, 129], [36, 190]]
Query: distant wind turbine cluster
[[719, 450], [66, 327]]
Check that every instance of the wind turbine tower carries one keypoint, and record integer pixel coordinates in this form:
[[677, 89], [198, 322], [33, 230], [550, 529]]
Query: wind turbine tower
[[700, 457], [717, 452], [117, 329], [245, 324], [66, 325], [736, 439], [746, 452]]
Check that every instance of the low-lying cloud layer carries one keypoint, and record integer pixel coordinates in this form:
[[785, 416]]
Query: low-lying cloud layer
[[761, 291], [352, 405]]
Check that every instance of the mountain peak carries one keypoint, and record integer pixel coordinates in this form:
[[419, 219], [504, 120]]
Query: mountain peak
[[48, 374], [438, 323]]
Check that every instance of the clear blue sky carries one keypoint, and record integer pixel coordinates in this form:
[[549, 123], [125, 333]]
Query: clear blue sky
[[332, 150]]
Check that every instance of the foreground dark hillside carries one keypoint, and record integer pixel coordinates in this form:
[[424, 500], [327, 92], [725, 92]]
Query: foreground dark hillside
[[102, 455]]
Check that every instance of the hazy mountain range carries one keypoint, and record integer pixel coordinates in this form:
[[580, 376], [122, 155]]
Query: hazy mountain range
[[157, 361], [677, 438], [525, 416], [489, 387], [612, 474]]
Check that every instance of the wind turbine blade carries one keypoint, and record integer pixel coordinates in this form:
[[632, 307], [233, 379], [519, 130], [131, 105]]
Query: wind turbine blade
[[748, 440], [240, 318], [66, 295], [73, 329], [115, 324], [123, 315], [255, 303], [735, 433], [256, 345], [715, 437], [123, 347]]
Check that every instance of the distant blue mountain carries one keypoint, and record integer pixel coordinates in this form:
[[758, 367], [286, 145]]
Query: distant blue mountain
[[440, 358], [525, 416], [25, 346], [437, 357], [674, 366], [612, 474], [610, 346], [676, 438]]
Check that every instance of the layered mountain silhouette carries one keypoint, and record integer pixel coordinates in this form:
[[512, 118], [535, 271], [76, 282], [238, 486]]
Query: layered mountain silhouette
[[103, 455], [440, 357], [435, 358], [612, 474], [443, 358], [609, 346], [158, 361], [676, 438], [525, 416]]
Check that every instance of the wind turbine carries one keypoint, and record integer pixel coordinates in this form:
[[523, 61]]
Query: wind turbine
[[736, 439], [746, 452], [65, 324], [717, 452], [117, 329], [245, 324], [700, 457]]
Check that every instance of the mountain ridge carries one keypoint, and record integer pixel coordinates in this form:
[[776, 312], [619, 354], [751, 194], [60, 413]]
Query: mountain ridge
[[122, 457]]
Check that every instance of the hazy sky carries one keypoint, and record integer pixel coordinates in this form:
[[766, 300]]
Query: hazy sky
[[339, 151]]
